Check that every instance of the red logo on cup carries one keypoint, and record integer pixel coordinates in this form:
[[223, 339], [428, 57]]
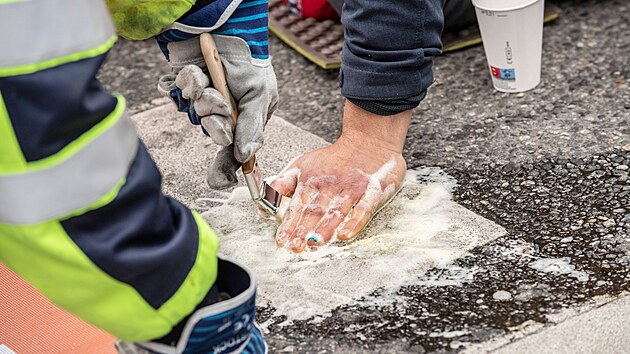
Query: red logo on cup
[[496, 72]]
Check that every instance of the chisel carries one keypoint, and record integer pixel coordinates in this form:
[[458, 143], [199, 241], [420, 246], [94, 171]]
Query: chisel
[[262, 193]]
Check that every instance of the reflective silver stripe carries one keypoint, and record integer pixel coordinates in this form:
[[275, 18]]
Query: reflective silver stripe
[[79, 181], [5, 350], [38, 30]]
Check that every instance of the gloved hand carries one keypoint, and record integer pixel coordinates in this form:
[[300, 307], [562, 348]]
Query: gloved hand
[[253, 85]]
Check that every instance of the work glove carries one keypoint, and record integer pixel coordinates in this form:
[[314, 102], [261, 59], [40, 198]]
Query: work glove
[[250, 78], [227, 326]]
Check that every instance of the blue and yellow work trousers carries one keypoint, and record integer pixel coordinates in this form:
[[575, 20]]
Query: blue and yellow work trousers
[[82, 217]]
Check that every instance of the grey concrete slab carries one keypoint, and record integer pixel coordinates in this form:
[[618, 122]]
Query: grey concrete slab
[[182, 151], [604, 329], [420, 229]]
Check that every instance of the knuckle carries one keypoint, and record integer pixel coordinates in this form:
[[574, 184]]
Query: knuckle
[[314, 210], [336, 212]]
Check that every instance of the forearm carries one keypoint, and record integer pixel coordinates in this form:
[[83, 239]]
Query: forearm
[[98, 231]]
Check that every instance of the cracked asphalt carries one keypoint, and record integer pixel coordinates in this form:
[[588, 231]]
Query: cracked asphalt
[[551, 166]]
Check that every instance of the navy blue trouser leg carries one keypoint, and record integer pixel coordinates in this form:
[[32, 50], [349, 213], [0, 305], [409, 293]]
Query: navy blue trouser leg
[[389, 48]]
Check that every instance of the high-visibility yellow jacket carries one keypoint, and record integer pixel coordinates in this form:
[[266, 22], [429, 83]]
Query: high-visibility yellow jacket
[[142, 19], [82, 215]]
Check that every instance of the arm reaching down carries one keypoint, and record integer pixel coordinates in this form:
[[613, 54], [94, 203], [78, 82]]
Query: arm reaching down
[[239, 29], [385, 72]]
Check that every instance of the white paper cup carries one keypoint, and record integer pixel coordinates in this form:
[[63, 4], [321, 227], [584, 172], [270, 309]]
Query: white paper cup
[[512, 39]]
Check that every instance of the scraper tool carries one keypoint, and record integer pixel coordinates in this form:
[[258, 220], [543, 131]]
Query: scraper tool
[[261, 192]]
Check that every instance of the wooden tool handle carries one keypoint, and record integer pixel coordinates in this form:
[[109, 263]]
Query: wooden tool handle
[[217, 75]]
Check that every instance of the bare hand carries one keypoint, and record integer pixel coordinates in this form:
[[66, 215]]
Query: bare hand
[[336, 190]]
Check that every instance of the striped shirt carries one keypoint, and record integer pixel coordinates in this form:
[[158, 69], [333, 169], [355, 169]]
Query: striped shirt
[[248, 22]]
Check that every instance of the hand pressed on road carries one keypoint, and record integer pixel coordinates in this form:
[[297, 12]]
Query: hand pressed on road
[[336, 190]]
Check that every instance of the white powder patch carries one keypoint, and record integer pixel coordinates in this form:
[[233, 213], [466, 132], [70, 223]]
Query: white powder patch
[[450, 334], [450, 276], [374, 191], [420, 229], [559, 266]]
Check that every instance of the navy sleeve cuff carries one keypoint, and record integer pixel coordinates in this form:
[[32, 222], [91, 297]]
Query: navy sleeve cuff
[[388, 107]]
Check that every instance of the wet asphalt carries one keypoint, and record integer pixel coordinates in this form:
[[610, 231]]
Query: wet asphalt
[[577, 210], [551, 166]]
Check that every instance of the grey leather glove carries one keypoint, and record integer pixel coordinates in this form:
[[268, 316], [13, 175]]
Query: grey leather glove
[[253, 85]]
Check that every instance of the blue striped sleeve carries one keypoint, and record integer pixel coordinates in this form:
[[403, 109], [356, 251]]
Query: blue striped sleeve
[[248, 22]]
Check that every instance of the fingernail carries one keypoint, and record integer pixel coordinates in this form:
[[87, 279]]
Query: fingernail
[[313, 237]]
